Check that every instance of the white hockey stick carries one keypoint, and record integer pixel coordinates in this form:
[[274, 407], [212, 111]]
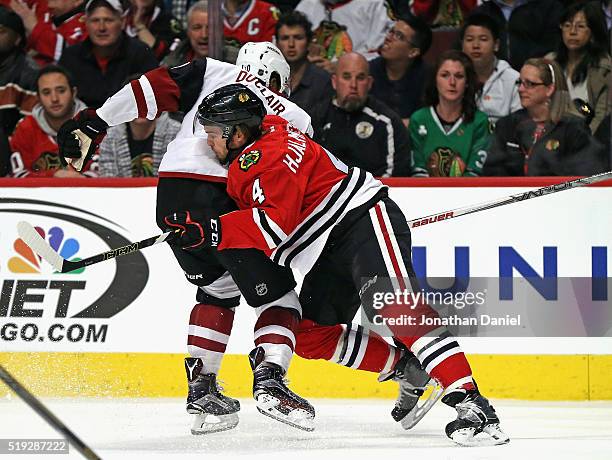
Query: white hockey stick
[[30, 236], [421, 221]]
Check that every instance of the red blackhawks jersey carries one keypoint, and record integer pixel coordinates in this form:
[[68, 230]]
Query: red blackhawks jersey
[[51, 35], [291, 192], [34, 147], [182, 88], [256, 24]]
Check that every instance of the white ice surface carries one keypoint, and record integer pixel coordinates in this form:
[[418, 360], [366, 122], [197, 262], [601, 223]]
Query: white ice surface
[[352, 429]]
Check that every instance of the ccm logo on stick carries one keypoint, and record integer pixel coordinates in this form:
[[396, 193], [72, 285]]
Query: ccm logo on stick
[[431, 220]]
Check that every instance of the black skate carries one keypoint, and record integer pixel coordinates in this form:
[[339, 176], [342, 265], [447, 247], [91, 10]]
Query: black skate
[[213, 410], [274, 399], [413, 382], [477, 423]]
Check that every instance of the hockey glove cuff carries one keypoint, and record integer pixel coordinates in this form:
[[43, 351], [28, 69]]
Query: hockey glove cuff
[[79, 138], [198, 229]]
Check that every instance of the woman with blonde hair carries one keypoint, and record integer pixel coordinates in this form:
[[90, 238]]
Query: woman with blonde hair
[[543, 139]]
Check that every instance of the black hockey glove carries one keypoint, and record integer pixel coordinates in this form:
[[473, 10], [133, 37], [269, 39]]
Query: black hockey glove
[[198, 229], [79, 138]]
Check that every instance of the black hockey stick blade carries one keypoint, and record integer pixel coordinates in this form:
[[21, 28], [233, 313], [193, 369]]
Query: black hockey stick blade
[[31, 237], [580, 182], [46, 414]]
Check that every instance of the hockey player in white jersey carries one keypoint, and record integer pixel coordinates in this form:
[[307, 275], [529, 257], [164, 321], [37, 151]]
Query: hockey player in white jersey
[[192, 178]]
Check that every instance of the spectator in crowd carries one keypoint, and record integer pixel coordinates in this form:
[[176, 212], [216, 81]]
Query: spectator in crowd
[[543, 139], [498, 94], [359, 129], [152, 25], [450, 135], [583, 57], [196, 44], [342, 26], [249, 21], [442, 13], [528, 28], [400, 73], [34, 142], [49, 35], [135, 149], [107, 57], [309, 84], [17, 72]]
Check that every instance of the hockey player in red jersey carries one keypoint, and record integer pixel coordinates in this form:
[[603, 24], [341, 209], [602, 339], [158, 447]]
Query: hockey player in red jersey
[[192, 178], [307, 210]]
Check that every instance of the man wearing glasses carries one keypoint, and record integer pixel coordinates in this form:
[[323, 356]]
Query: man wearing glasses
[[399, 72]]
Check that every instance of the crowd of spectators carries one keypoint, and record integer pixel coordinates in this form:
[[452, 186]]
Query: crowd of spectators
[[400, 88]]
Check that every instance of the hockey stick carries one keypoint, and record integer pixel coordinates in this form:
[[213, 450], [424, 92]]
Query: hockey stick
[[37, 243], [31, 237], [421, 221], [46, 414]]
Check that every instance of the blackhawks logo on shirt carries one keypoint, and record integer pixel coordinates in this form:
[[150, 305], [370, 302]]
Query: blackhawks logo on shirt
[[248, 159]]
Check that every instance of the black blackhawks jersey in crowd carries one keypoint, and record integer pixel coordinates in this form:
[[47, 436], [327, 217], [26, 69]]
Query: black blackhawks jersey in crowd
[[372, 138], [563, 149], [182, 89]]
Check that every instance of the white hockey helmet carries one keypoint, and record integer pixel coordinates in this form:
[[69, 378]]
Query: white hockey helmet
[[264, 59]]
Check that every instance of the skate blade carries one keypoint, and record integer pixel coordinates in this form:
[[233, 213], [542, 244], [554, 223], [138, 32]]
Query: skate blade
[[208, 423], [301, 424], [420, 410], [491, 435], [297, 418]]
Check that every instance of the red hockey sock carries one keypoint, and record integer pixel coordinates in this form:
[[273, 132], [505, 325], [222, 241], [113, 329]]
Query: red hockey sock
[[348, 345], [442, 358], [210, 327]]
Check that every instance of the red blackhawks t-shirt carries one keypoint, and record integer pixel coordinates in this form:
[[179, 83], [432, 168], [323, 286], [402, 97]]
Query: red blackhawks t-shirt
[[256, 24]]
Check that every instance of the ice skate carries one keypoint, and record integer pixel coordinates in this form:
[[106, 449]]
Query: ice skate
[[477, 423], [213, 410], [273, 397], [413, 382]]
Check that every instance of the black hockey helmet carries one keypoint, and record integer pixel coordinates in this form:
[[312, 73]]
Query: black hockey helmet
[[230, 106]]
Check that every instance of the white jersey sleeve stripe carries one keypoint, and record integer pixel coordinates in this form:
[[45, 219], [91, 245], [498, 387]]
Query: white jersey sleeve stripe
[[149, 95]]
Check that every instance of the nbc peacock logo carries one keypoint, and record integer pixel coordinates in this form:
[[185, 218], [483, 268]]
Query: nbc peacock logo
[[27, 261]]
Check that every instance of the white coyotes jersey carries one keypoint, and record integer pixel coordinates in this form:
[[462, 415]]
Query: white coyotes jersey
[[188, 155]]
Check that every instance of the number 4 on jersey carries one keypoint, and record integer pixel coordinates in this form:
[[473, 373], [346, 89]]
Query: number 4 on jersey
[[258, 193]]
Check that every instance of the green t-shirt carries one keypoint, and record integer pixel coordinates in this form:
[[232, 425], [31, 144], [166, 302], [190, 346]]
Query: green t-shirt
[[460, 151]]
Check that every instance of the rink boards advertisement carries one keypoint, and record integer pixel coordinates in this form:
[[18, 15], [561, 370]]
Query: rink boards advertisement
[[140, 303]]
